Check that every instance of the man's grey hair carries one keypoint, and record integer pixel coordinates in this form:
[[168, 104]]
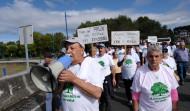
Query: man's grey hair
[[154, 48]]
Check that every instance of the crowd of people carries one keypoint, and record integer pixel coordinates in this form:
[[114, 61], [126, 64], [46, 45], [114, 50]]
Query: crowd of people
[[147, 71]]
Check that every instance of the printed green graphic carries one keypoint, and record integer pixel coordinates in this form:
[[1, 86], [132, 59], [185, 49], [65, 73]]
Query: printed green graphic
[[119, 53], [101, 63], [144, 48], [167, 65], [68, 86], [159, 88], [128, 61]]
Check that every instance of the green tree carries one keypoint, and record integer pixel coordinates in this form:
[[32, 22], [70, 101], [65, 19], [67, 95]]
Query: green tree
[[128, 61], [159, 88], [11, 43], [102, 63], [12, 50]]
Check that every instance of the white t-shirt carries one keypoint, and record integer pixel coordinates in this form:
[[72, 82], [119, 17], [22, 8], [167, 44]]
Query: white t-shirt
[[129, 66], [120, 53], [106, 62], [154, 88], [144, 54], [75, 100], [173, 47], [142, 48], [170, 62], [169, 51]]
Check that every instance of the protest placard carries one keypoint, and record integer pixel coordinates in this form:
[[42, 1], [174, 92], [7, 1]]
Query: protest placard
[[125, 37], [93, 34], [152, 39]]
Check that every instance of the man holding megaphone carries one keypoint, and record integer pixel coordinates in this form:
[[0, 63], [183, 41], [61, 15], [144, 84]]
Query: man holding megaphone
[[81, 85]]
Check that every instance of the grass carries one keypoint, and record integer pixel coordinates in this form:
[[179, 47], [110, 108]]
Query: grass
[[187, 46], [12, 68]]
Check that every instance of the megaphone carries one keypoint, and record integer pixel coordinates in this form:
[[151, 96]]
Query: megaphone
[[45, 78]]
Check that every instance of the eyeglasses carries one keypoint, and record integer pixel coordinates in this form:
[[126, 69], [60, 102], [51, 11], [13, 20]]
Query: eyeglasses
[[129, 47], [164, 51]]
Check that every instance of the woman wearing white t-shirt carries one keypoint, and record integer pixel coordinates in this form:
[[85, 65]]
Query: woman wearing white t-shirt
[[168, 61], [154, 85]]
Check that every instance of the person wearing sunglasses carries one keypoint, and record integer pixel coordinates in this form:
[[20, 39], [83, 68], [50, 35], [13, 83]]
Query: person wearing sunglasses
[[129, 64], [167, 60]]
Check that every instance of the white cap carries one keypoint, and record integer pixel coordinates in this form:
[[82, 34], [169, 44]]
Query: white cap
[[72, 40]]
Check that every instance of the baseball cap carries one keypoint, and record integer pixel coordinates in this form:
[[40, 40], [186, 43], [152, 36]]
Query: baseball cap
[[48, 55], [72, 40], [164, 48], [101, 45]]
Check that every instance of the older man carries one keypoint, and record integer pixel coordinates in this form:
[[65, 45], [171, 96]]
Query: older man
[[130, 63], [182, 57], [82, 84], [154, 85], [107, 63]]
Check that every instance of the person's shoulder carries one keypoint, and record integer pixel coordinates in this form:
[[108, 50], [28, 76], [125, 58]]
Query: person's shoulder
[[187, 49], [142, 69], [166, 68], [170, 58]]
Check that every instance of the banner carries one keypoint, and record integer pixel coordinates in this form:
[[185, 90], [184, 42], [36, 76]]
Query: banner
[[93, 34], [152, 39], [125, 37]]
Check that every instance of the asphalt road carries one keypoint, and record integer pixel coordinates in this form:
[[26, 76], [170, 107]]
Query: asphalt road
[[119, 102]]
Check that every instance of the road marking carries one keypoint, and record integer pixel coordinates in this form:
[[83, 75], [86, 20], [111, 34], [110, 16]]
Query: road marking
[[188, 74], [35, 108]]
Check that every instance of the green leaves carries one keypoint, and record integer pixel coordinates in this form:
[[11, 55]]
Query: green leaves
[[101, 63], [159, 88], [128, 61]]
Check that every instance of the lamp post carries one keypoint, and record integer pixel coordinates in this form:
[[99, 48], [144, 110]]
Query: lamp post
[[53, 46], [66, 24]]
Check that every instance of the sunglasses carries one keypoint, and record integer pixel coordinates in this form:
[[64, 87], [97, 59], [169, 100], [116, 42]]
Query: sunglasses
[[129, 47], [164, 51]]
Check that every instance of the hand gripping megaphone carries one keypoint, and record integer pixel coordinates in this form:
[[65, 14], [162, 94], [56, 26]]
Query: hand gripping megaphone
[[45, 78]]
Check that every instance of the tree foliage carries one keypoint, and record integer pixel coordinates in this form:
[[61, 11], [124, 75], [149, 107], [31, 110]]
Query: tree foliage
[[146, 26], [42, 43]]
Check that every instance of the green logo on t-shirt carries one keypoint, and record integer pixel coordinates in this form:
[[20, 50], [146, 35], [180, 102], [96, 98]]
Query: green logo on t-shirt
[[128, 61], [159, 88], [144, 48], [68, 86], [119, 53], [167, 65], [101, 63]]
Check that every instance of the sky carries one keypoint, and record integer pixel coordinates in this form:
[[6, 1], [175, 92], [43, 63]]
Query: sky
[[47, 16]]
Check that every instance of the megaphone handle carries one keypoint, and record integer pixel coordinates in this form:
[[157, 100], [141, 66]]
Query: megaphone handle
[[51, 79]]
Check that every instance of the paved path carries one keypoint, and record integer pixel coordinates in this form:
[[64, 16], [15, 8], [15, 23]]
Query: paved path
[[119, 102]]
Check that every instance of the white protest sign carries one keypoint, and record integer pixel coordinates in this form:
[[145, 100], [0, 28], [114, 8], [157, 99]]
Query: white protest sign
[[125, 37], [152, 39], [26, 32], [93, 34]]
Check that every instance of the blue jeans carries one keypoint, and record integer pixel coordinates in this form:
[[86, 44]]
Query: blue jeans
[[182, 68], [57, 103]]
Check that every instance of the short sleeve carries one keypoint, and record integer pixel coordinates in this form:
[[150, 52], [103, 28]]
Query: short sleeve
[[137, 59], [174, 82], [111, 63], [96, 75], [136, 87]]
